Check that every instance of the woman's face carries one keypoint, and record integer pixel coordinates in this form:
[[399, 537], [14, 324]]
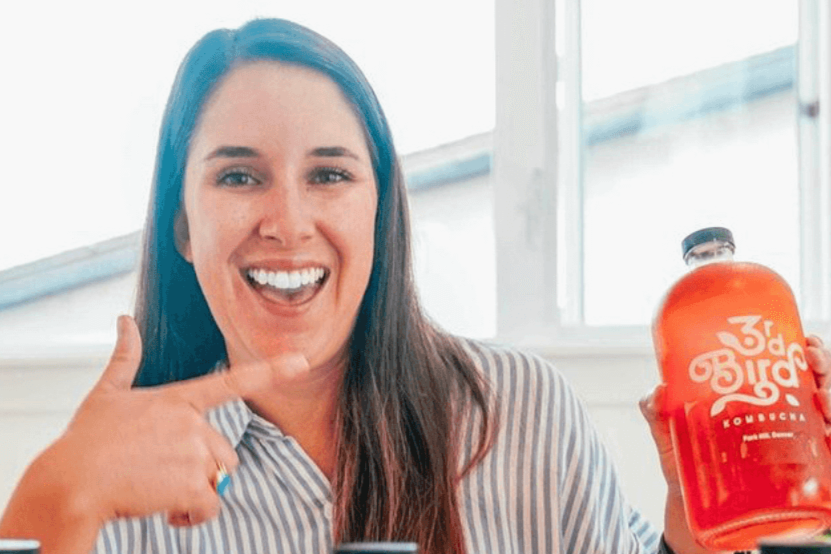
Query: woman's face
[[279, 205]]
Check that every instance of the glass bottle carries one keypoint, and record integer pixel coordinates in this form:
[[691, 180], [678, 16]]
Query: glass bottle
[[748, 438]]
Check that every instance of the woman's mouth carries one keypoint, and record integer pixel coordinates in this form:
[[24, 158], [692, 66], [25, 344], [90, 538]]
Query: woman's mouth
[[287, 287]]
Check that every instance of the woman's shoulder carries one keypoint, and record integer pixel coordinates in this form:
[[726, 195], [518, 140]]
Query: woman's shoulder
[[505, 366]]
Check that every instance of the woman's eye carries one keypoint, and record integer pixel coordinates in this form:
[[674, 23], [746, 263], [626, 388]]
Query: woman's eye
[[328, 175], [237, 178]]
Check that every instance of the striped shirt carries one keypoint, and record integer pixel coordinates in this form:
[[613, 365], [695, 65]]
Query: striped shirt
[[547, 485]]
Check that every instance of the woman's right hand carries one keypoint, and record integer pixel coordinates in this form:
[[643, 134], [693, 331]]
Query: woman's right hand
[[135, 452]]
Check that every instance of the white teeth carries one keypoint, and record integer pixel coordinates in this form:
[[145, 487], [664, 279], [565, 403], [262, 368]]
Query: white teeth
[[289, 280]]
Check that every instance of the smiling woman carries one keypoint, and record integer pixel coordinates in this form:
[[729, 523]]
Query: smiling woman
[[279, 340], [275, 159]]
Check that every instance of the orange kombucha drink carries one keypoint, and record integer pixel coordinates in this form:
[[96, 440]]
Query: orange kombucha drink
[[748, 437]]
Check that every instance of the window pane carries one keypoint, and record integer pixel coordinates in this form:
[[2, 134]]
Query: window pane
[[637, 43], [86, 88], [689, 121], [455, 255]]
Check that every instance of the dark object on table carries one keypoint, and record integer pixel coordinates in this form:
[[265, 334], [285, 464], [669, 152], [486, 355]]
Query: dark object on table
[[785, 547], [377, 548]]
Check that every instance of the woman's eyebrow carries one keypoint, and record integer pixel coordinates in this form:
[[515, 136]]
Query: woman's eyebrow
[[233, 152], [333, 152]]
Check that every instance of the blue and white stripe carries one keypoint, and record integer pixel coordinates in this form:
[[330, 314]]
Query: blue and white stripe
[[547, 486]]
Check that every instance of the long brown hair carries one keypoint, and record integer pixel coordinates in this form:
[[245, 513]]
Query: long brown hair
[[407, 384]]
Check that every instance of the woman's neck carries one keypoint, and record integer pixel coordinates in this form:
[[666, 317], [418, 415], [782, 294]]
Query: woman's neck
[[306, 409]]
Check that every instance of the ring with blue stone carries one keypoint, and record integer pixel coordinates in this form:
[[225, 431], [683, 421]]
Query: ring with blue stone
[[222, 479]]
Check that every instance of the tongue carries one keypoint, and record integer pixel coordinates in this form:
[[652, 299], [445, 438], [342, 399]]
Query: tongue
[[287, 297]]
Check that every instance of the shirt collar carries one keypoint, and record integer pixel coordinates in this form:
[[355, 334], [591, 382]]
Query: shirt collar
[[234, 419], [231, 420]]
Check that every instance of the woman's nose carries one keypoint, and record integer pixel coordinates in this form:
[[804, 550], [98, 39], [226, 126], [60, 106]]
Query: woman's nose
[[285, 216]]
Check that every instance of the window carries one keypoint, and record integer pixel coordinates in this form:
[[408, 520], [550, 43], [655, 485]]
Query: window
[[644, 121], [689, 120], [87, 85]]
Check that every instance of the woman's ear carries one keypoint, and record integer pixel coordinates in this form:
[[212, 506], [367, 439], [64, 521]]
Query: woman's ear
[[181, 235]]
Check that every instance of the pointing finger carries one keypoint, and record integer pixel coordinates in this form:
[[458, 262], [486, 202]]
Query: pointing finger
[[126, 356], [239, 381]]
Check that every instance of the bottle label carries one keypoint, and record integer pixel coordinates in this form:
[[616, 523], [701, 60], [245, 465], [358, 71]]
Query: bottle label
[[758, 410], [754, 366]]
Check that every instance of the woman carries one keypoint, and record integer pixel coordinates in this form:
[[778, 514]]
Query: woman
[[283, 343]]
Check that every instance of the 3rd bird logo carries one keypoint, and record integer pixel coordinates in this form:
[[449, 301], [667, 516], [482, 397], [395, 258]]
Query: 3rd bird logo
[[756, 357]]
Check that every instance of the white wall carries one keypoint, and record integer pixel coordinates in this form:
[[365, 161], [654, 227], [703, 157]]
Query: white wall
[[51, 353], [454, 255]]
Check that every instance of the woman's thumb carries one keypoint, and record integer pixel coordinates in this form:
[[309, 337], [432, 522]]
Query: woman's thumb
[[126, 356]]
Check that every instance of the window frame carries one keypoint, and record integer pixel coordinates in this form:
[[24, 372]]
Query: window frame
[[814, 97]]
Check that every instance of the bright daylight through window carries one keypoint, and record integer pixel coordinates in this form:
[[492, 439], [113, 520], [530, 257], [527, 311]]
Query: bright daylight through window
[[699, 131]]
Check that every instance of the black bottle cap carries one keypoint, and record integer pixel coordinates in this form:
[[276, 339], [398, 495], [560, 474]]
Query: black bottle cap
[[706, 235]]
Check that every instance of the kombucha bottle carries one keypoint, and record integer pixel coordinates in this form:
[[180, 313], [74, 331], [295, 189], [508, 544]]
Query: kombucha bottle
[[748, 437]]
